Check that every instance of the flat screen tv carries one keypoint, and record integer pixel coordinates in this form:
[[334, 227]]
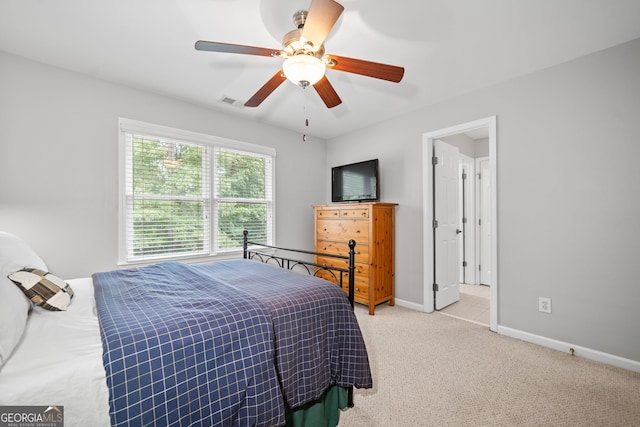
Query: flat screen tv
[[355, 182]]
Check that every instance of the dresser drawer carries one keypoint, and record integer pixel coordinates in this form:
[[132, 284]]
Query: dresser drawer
[[354, 213], [328, 213], [343, 229], [360, 288], [333, 278], [342, 248], [360, 280], [361, 270], [360, 291], [361, 277]]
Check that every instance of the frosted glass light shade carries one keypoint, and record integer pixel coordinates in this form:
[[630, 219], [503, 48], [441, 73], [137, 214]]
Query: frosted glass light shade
[[303, 70]]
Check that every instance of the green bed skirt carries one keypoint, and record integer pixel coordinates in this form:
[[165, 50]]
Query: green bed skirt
[[324, 412]]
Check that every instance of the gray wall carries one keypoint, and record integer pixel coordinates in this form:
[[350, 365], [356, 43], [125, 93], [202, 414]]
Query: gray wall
[[568, 145], [568, 141], [473, 148], [59, 162], [466, 145]]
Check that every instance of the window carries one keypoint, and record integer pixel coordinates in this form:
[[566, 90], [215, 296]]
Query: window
[[242, 200], [191, 195]]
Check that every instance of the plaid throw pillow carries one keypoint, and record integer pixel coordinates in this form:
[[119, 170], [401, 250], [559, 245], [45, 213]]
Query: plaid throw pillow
[[44, 289]]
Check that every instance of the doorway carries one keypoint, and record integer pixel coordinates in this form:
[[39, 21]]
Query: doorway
[[484, 233]]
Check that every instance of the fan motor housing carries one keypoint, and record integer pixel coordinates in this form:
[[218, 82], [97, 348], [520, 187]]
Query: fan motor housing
[[294, 44], [299, 18]]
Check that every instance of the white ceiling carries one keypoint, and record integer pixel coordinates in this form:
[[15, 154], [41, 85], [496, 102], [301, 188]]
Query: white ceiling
[[448, 48]]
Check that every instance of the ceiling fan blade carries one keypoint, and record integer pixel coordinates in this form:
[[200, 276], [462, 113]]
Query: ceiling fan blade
[[321, 18], [266, 90], [366, 68], [327, 92], [235, 48]]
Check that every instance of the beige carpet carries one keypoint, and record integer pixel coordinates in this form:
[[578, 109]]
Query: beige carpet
[[473, 304], [435, 370]]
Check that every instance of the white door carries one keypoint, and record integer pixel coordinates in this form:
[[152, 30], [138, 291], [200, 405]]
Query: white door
[[447, 233], [484, 221]]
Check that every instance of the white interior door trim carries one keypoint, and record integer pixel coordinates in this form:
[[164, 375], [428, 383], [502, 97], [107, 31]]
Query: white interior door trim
[[427, 209]]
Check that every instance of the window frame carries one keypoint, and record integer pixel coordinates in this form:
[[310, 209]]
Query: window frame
[[127, 126]]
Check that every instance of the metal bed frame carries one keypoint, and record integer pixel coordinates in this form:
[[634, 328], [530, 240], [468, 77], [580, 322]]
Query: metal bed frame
[[257, 252]]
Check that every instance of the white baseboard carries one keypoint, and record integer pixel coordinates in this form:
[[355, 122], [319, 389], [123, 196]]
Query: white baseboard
[[409, 304], [587, 353], [565, 347]]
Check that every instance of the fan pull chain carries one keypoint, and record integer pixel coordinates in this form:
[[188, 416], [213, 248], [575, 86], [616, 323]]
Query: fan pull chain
[[304, 136], [306, 118]]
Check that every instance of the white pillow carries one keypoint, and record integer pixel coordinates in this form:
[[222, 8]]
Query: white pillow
[[15, 254]]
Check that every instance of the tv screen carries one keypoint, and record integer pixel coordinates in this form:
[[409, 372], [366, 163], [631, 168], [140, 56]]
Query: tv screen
[[355, 182]]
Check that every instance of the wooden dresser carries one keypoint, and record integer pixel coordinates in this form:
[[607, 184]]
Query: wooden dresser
[[371, 225]]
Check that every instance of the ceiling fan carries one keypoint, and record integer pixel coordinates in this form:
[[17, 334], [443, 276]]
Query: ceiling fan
[[305, 61]]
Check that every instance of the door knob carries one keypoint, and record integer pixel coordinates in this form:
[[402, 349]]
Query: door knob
[[458, 231]]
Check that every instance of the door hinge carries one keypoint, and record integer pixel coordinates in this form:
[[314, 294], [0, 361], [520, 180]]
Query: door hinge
[[435, 287], [464, 220], [435, 223], [479, 176], [480, 221], [464, 175], [479, 267], [464, 263], [434, 160]]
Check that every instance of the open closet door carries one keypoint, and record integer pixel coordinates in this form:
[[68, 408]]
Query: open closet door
[[447, 220]]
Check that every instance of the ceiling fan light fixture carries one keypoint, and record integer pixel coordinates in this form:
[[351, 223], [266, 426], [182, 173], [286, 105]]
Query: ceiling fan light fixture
[[303, 70], [304, 59]]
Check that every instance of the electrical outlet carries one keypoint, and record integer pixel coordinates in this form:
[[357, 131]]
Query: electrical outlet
[[544, 305]]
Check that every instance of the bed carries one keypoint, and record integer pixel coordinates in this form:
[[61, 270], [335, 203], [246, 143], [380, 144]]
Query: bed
[[229, 343]]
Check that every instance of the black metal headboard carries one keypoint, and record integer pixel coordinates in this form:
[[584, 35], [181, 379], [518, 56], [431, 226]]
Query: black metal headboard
[[257, 252]]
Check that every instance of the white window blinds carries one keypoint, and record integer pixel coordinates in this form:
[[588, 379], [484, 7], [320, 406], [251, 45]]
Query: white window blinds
[[168, 196], [243, 197], [185, 196]]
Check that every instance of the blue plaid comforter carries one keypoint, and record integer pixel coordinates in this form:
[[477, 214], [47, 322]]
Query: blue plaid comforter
[[228, 344]]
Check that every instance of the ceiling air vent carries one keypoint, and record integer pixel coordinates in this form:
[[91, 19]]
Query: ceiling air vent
[[230, 101]]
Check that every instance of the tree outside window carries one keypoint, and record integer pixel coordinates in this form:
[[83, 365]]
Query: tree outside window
[[186, 198]]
